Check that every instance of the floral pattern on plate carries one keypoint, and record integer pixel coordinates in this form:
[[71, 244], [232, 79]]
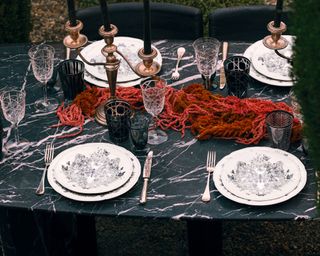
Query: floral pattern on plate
[[260, 174], [92, 168], [259, 77], [136, 167], [269, 64]]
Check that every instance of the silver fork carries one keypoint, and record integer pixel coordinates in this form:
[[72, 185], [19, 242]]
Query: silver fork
[[48, 156], [211, 163], [176, 75]]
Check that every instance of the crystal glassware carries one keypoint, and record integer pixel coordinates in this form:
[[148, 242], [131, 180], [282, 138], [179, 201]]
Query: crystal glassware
[[71, 73], [237, 69], [206, 53], [279, 126], [117, 114], [153, 93], [139, 125], [13, 104], [42, 59]]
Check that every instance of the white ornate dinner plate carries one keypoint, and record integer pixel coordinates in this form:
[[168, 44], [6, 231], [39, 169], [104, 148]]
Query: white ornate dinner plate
[[98, 197], [92, 168], [271, 65], [256, 75], [92, 80], [260, 173], [243, 198], [128, 46]]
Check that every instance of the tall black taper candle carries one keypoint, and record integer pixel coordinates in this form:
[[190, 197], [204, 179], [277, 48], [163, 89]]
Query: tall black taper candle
[[105, 15], [277, 18], [72, 13], [147, 27]]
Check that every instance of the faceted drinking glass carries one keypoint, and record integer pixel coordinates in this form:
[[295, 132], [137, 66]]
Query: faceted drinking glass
[[206, 52], [13, 104], [42, 59], [153, 93]]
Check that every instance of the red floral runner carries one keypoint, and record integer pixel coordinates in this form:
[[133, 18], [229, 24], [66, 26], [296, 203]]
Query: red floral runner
[[207, 115]]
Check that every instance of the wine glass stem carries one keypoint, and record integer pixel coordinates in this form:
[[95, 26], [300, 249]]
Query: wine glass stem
[[16, 133], [45, 97], [207, 82], [153, 126]]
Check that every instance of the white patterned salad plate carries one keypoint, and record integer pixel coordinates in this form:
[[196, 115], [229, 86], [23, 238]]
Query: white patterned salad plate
[[128, 46], [271, 65], [92, 168], [259, 176], [251, 51]]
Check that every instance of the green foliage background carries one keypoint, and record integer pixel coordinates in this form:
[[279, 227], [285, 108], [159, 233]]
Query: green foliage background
[[15, 23], [307, 70]]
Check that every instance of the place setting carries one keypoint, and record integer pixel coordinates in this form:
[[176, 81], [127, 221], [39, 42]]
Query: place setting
[[94, 172], [99, 171], [261, 176]]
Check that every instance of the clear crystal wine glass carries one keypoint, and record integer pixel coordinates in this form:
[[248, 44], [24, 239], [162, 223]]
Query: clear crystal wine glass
[[206, 53], [13, 104], [42, 59], [153, 93]]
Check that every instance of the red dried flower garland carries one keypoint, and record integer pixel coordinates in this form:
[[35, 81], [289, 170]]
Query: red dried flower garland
[[207, 115]]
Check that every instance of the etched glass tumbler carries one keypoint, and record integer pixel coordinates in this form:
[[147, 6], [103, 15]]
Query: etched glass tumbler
[[279, 126], [42, 59], [13, 104], [206, 52], [139, 125], [153, 93]]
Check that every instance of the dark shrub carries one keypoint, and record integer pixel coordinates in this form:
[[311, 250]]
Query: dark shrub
[[15, 24]]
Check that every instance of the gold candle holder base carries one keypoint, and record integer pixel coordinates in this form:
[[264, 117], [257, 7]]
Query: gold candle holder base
[[74, 40], [100, 116], [275, 41], [148, 67]]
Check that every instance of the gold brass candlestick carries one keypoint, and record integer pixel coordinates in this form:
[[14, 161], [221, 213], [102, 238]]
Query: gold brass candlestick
[[275, 41], [112, 63], [74, 40], [147, 67]]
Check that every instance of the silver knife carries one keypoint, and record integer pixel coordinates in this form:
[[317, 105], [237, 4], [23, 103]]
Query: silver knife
[[146, 176], [224, 56]]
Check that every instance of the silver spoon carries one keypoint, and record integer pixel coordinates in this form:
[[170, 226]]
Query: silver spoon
[[176, 74]]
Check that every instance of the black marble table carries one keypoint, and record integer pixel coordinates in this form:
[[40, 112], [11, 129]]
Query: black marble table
[[178, 172]]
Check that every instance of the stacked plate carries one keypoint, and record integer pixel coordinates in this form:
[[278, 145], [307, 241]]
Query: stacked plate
[[267, 67], [129, 47], [259, 176], [94, 172]]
